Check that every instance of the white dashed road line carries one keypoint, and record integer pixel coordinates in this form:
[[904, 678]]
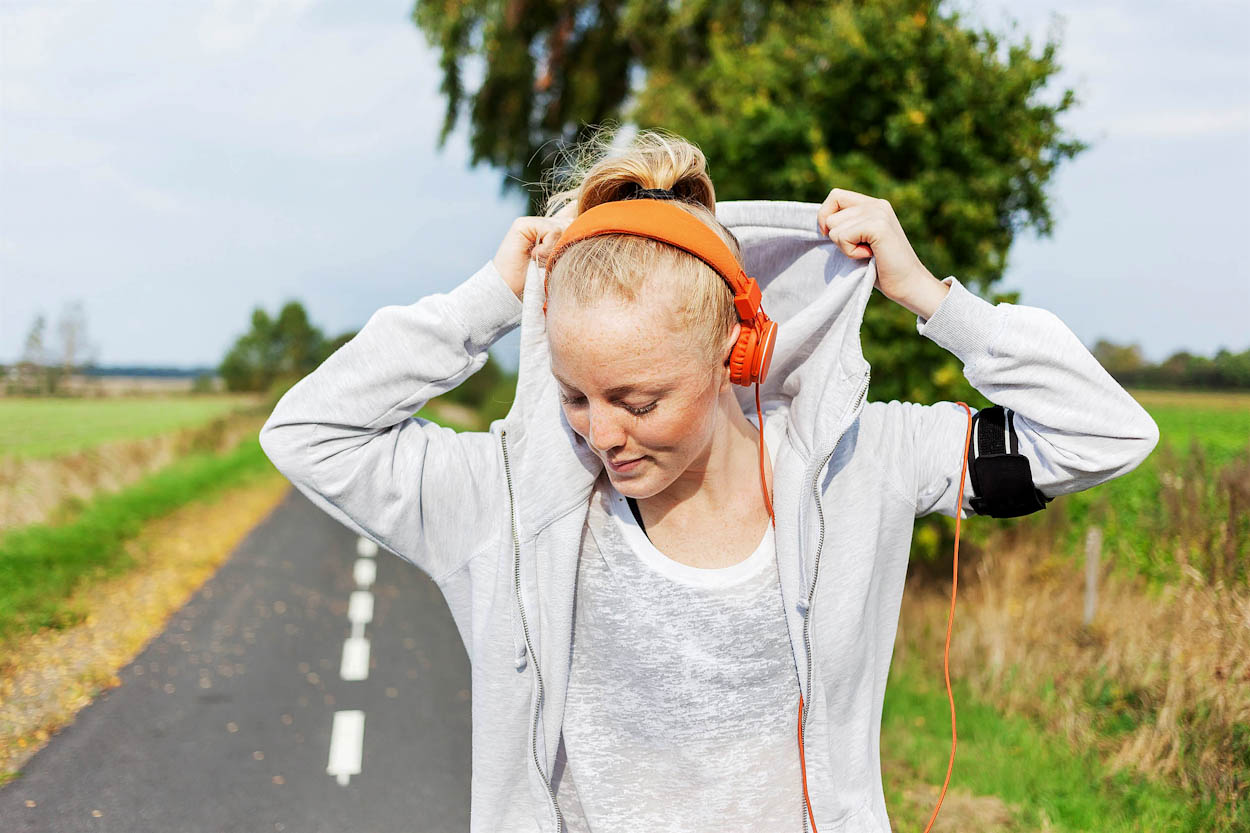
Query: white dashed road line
[[347, 735], [346, 741], [364, 572], [360, 607], [355, 664]]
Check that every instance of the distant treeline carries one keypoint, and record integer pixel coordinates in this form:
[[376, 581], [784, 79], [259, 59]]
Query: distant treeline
[[1227, 371], [280, 350], [143, 370]]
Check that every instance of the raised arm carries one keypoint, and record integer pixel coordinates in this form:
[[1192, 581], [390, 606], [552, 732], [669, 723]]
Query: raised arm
[[1076, 425], [346, 437]]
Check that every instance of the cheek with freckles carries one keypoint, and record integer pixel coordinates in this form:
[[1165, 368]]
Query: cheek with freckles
[[672, 434]]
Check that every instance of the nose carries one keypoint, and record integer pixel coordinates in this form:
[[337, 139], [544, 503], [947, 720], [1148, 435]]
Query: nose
[[604, 431]]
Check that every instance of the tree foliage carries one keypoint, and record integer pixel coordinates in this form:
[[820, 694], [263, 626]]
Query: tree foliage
[[275, 352], [898, 99], [893, 98]]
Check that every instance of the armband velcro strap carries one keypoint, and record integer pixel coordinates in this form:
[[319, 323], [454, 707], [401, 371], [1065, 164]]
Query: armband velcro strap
[[1002, 479]]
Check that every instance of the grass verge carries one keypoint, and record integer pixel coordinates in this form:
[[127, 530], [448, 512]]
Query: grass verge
[[1039, 780], [53, 672], [42, 564]]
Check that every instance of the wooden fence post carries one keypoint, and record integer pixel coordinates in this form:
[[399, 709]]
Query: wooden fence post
[[1093, 547]]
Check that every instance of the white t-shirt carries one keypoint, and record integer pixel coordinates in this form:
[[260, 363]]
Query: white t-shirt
[[682, 704]]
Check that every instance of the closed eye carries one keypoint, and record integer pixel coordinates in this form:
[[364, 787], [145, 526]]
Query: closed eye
[[635, 411]]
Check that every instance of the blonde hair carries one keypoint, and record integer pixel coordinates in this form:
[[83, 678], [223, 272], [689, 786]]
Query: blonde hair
[[622, 266]]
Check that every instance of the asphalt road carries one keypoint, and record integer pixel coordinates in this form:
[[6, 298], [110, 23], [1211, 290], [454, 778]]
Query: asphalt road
[[226, 720]]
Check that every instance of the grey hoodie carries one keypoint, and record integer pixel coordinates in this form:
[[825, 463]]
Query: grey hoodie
[[495, 517]]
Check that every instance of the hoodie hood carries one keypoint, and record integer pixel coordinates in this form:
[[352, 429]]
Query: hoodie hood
[[815, 292]]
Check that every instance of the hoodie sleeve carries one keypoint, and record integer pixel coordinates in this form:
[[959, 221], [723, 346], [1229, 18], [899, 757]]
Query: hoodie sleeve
[[346, 437], [1076, 425]]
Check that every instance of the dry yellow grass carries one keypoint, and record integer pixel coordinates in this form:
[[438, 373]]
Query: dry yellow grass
[[962, 811], [46, 677], [1198, 399], [1175, 666]]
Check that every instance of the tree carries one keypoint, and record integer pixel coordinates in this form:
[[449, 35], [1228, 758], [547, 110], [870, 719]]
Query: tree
[[72, 330], [34, 352], [34, 376], [893, 98], [1233, 368], [1227, 371], [275, 351], [787, 100], [1121, 361]]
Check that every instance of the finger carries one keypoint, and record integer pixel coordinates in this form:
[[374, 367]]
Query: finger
[[846, 226], [852, 235], [540, 230], [546, 245], [838, 200]]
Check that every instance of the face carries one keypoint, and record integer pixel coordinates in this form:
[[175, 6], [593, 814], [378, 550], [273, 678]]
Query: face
[[635, 388]]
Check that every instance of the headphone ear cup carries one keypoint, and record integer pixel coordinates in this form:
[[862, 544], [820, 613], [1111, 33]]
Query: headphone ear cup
[[764, 350], [742, 357]]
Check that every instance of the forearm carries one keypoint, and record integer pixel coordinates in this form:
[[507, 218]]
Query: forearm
[[926, 297]]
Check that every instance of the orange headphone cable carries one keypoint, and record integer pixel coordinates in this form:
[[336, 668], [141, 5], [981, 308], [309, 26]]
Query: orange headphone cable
[[949, 621], [768, 503], [946, 656]]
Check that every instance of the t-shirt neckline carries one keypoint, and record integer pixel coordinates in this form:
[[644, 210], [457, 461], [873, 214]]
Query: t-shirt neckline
[[636, 538]]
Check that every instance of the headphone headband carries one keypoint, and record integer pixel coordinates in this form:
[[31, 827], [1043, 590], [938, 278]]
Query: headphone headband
[[665, 222]]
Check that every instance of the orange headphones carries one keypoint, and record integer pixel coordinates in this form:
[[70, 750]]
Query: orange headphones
[[751, 356]]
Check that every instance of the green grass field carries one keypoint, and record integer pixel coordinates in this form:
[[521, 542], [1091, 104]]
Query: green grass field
[[1219, 422], [1145, 513], [39, 427]]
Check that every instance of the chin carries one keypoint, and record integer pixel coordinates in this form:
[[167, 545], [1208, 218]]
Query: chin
[[639, 488]]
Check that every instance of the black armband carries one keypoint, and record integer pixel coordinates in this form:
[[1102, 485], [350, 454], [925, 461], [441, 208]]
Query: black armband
[[1002, 480]]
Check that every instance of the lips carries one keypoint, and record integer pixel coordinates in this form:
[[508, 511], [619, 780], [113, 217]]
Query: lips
[[624, 465]]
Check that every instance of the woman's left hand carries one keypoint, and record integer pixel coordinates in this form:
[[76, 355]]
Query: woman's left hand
[[865, 226]]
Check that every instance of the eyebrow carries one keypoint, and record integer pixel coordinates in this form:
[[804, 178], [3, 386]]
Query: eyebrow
[[620, 390]]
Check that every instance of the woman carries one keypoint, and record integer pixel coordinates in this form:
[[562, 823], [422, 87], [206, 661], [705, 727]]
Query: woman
[[640, 635]]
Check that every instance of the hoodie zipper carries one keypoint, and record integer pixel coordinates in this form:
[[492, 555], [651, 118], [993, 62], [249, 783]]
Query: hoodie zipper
[[516, 577], [811, 592]]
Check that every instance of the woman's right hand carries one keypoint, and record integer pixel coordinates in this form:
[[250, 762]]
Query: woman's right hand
[[530, 238]]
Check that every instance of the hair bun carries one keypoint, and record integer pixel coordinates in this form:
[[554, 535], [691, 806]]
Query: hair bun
[[636, 192]]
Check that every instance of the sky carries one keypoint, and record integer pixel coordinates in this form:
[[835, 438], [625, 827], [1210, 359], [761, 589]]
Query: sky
[[175, 165]]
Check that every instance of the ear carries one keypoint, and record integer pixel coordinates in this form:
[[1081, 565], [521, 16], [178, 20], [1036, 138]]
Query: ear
[[727, 348]]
